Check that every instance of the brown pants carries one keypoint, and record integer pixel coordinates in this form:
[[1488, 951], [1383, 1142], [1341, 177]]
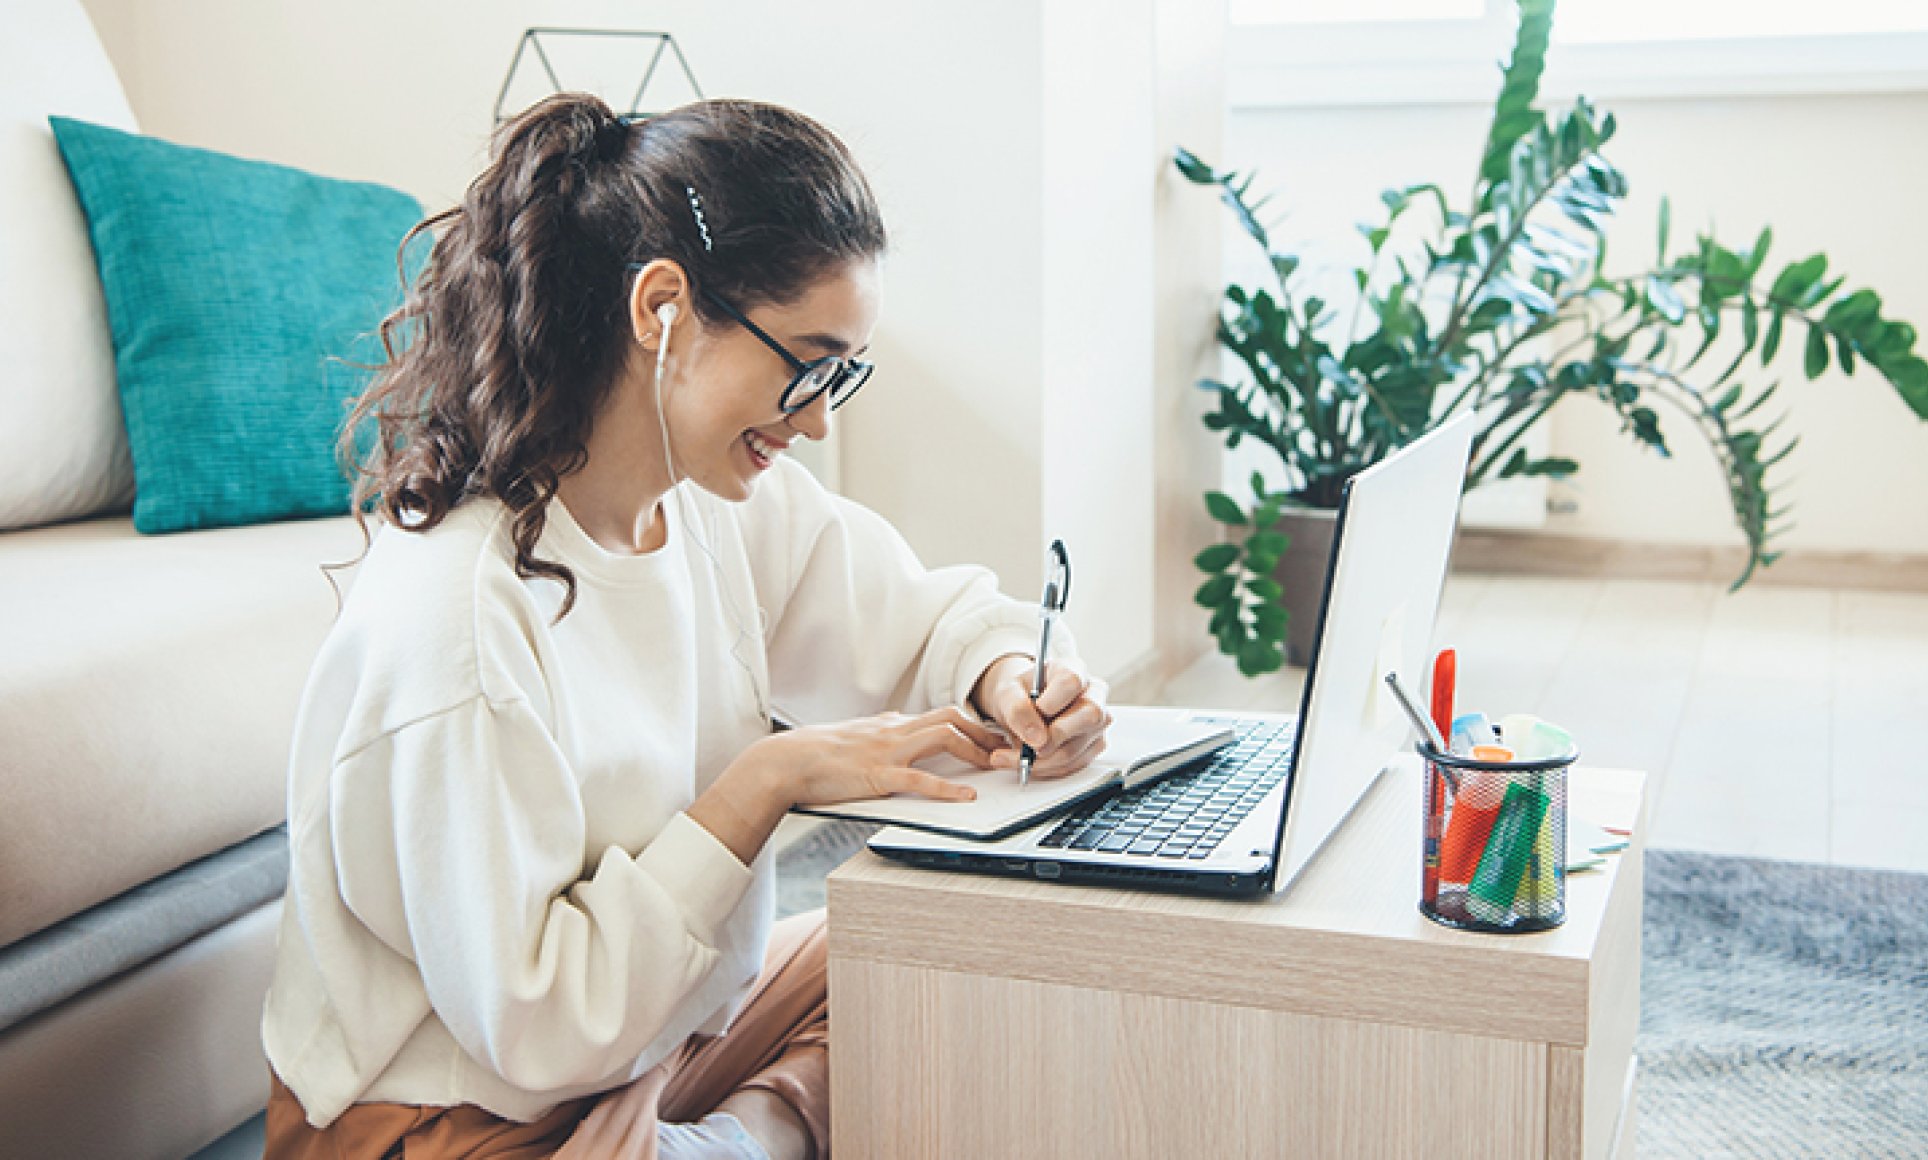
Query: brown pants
[[779, 1043]]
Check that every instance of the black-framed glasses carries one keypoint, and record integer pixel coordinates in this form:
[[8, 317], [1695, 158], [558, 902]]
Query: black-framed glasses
[[832, 373], [838, 376]]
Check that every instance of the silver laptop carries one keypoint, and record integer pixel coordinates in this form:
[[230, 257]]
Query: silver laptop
[[1247, 819]]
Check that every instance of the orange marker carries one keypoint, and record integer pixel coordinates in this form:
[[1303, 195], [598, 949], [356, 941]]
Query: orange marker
[[1469, 824]]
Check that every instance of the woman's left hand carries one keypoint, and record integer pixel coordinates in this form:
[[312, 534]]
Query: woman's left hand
[[1065, 725]]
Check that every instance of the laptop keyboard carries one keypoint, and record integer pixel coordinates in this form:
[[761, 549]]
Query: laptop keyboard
[[1184, 815]]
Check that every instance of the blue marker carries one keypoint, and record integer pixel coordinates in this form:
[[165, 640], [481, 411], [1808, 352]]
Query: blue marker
[[1471, 730]]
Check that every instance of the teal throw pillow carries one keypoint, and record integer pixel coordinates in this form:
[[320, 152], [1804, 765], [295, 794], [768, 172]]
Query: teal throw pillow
[[232, 288]]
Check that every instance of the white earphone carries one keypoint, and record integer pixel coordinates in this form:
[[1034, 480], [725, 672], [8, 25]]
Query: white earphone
[[665, 314]]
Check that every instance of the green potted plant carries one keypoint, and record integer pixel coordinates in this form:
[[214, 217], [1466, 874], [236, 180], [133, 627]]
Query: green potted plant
[[1505, 308]]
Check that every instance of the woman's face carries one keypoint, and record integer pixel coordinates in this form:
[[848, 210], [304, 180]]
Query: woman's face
[[726, 427]]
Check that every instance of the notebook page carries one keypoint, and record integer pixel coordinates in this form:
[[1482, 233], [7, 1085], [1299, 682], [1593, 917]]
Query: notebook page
[[1137, 734]]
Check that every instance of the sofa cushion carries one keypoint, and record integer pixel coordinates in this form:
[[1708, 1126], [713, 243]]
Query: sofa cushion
[[240, 295], [61, 437], [148, 689]]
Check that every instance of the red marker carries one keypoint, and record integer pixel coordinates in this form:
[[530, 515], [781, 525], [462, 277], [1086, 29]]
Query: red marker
[[1444, 667], [1445, 676]]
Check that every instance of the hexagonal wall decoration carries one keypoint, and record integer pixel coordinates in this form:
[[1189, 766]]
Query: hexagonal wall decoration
[[638, 73]]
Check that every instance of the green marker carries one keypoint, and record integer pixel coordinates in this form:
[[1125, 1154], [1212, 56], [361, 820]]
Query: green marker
[[1508, 853]]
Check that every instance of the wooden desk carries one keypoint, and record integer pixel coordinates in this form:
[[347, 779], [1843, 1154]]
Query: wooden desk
[[984, 1017]]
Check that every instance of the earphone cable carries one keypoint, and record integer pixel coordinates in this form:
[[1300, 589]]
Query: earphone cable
[[716, 567]]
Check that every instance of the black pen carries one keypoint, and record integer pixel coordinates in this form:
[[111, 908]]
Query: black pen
[[1057, 587]]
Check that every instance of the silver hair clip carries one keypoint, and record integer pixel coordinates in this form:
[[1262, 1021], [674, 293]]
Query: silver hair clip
[[696, 207]]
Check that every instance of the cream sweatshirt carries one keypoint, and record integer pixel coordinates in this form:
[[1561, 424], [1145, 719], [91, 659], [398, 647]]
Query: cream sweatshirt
[[494, 894]]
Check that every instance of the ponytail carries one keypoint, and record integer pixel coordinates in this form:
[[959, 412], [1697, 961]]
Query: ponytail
[[518, 325]]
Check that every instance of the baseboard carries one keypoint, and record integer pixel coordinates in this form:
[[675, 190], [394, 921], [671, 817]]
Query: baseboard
[[1533, 553]]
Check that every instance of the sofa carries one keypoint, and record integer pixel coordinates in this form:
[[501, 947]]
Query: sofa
[[148, 686]]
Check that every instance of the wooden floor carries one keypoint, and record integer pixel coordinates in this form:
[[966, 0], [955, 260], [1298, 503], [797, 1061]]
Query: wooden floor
[[1778, 722]]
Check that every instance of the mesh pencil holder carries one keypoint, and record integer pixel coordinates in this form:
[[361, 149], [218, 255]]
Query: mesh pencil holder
[[1494, 843]]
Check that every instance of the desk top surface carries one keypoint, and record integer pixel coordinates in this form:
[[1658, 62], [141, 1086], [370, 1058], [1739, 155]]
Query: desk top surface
[[1365, 881], [1357, 902]]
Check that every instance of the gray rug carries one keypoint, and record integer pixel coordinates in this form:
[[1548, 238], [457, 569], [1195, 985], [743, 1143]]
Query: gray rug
[[1784, 1006], [1784, 1009], [802, 868]]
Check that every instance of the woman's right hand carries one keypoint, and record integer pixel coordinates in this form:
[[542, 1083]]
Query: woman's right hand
[[868, 757], [871, 757]]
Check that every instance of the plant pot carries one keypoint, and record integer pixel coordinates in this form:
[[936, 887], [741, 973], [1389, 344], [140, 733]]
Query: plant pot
[[1301, 572]]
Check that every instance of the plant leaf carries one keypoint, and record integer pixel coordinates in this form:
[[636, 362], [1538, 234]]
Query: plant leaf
[[1666, 300], [1213, 592], [1910, 378], [1817, 352], [1552, 467], [1758, 255], [1257, 657], [1513, 113], [1224, 508], [1216, 558], [1792, 286], [1195, 171], [1270, 543]]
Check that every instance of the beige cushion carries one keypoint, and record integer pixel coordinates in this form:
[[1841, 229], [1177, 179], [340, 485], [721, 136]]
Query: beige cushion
[[148, 688]]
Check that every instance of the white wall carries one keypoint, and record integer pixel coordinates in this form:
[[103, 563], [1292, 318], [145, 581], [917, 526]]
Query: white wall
[[1187, 282], [1097, 326], [1011, 144], [1839, 174]]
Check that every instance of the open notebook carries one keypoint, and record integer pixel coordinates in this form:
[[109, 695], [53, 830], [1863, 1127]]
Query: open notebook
[[1142, 745]]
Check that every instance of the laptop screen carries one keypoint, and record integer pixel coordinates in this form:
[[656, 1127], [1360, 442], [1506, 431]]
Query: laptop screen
[[1389, 556]]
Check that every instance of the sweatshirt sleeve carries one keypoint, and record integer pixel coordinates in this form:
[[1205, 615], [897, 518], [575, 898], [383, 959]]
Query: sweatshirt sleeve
[[549, 970], [858, 625]]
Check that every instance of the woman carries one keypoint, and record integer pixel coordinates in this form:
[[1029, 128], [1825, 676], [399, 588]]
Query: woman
[[534, 774]]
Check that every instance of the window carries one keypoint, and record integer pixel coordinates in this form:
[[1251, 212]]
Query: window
[[1352, 11], [1617, 21], [1350, 52], [1647, 21]]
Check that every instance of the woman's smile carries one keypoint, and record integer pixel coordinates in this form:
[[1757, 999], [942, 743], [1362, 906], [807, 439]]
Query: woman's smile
[[763, 450]]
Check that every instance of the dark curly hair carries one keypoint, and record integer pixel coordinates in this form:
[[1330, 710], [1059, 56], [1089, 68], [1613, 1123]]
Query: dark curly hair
[[517, 326]]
